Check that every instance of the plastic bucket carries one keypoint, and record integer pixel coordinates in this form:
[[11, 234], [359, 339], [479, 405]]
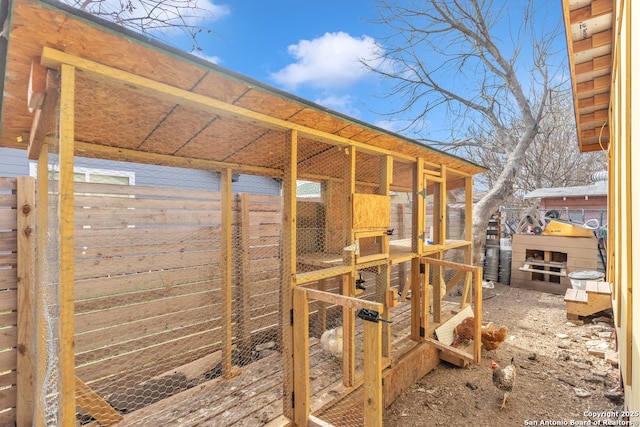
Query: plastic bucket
[[579, 279]]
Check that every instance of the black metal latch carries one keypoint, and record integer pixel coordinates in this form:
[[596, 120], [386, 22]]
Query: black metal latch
[[371, 315]]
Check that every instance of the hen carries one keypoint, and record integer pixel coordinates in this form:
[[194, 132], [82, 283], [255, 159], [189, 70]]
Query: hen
[[504, 379], [492, 338], [463, 333], [331, 340]]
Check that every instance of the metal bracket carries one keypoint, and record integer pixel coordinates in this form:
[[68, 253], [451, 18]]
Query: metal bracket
[[371, 316], [355, 248]]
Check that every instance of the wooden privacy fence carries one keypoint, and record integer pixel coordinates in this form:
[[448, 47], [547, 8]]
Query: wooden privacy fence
[[149, 292], [17, 234]]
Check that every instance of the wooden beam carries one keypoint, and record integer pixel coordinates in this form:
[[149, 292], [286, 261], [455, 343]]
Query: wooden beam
[[114, 153], [37, 85], [348, 333], [40, 288], [373, 404], [604, 38], [592, 10], [66, 248], [227, 269], [289, 261], [94, 405], [344, 301], [53, 58], [477, 313], [596, 64], [451, 264], [301, 386], [45, 115], [325, 273], [26, 203]]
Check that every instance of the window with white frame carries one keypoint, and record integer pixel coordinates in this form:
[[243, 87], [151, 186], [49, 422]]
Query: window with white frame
[[82, 174]]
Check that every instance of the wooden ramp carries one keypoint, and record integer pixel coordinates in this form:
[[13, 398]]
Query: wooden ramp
[[595, 298]]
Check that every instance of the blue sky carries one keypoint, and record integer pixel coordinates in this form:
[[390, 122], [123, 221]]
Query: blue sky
[[312, 50]]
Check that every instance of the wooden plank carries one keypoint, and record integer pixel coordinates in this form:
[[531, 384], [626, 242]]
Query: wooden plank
[[327, 273], [477, 313], [26, 213], [373, 404], [40, 294], [301, 356], [44, 117], [371, 211], [227, 270], [66, 274], [289, 279], [551, 273], [95, 406], [344, 301]]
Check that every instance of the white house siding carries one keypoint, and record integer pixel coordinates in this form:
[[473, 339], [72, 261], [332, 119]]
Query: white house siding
[[14, 163]]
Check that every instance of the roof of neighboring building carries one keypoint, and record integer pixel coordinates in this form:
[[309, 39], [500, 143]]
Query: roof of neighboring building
[[597, 188]]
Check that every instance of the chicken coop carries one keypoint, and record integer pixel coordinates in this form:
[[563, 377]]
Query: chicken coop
[[164, 305]]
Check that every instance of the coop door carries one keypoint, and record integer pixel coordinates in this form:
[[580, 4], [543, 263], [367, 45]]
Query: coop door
[[434, 218]]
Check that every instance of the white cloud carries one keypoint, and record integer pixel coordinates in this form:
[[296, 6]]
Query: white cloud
[[332, 61], [343, 104], [212, 59]]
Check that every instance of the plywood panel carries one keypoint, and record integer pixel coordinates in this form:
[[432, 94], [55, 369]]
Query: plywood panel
[[371, 211]]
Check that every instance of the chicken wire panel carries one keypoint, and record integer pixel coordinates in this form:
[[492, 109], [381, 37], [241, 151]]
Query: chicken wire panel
[[148, 290], [330, 375], [456, 210], [323, 197], [433, 212], [150, 312]]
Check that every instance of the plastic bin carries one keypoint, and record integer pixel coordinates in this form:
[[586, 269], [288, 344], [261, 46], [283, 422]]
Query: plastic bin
[[579, 279]]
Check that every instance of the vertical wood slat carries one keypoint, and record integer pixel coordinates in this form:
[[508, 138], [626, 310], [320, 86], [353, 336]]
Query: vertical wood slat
[[301, 356], [348, 339], [373, 405], [417, 245], [348, 286], [26, 255], [477, 312], [424, 312], [66, 274], [383, 281], [289, 221], [41, 329], [227, 273]]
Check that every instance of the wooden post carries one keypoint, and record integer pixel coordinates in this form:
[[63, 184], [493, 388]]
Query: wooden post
[[348, 333], [289, 270], [383, 281], [373, 405], [26, 195], [66, 250], [477, 312], [417, 245], [301, 356], [41, 327], [227, 270], [424, 312]]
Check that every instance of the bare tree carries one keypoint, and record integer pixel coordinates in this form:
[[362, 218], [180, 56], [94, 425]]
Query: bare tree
[[488, 63], [552, 160], [156, 18]]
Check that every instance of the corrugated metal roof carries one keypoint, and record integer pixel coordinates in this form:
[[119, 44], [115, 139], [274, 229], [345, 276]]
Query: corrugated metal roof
[[596, 189]]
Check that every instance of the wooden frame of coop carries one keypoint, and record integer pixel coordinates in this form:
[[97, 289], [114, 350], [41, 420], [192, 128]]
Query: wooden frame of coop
[[248, 118]]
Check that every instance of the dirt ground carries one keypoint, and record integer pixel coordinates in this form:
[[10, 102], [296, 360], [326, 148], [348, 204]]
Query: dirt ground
[[558, 381]]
